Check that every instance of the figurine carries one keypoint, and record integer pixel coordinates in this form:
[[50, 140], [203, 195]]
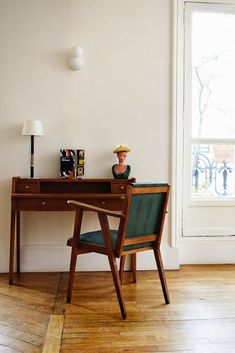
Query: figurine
[[120, 170]]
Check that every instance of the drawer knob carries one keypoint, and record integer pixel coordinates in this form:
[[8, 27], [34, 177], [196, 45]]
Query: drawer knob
[[122, 187], [104, 202], [26, 187], [44, 203]]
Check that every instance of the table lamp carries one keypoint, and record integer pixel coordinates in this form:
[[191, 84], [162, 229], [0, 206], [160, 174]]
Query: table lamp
[[32, 128]]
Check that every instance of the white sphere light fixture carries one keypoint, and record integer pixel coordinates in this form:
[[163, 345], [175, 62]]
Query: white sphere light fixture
[[76, 59]]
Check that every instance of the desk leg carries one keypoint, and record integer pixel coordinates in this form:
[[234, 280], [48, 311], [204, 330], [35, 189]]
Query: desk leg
[[18, 241], [133, 266], [12, 246]]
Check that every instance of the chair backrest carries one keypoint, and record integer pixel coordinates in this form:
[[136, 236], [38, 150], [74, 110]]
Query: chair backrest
[[145, 215]]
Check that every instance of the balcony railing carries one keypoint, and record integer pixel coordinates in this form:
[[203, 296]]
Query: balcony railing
[[213, 171]]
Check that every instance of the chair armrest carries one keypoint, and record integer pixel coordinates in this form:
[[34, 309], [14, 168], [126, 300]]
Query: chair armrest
[[87, 207]]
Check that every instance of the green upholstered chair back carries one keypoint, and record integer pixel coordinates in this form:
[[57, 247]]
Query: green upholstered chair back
[[147, 211]]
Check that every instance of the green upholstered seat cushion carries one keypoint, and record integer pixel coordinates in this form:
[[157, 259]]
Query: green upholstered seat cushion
[[97, 238]]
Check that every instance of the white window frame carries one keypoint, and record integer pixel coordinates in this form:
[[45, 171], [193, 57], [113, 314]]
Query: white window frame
[[178, 114]]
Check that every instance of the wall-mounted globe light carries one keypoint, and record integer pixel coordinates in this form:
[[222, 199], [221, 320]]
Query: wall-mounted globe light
[[76, 59]]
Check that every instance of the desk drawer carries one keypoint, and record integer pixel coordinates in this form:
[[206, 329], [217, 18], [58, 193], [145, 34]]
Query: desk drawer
[[27, 187], [44, 204], [110, 204], [41, 204], [119, 188]]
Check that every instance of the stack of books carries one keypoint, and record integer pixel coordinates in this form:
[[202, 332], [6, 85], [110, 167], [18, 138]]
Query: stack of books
[[72, 163]]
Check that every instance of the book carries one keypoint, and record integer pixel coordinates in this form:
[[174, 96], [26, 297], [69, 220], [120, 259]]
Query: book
[[72, 163]]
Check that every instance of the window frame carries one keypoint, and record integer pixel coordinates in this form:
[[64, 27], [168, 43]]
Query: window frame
[[178, 109]]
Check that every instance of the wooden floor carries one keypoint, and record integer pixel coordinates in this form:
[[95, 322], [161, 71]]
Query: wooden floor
[[25, 311], [200, 318]]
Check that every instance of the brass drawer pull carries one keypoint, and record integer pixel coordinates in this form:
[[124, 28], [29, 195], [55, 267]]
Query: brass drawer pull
[[122, 187], [26, 187], [44, 203], [104, 202]]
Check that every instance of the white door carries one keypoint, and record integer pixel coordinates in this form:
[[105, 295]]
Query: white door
[[209, 123]]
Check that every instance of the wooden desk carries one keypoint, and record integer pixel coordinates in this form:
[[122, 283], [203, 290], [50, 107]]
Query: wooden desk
[[52, 195]]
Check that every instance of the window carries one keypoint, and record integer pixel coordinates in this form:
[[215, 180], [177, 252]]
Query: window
[[203, 193], [209, 93]]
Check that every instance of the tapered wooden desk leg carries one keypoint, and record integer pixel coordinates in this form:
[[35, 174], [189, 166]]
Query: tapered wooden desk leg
[[12, 247], [18, 242], [71, 273], [133, 266], [121, 268]]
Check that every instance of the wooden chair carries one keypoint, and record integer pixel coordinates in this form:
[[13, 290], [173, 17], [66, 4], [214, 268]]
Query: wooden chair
[[140, 228]]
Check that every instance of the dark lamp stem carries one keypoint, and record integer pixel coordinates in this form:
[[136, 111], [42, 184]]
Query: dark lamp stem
[[32, 157]]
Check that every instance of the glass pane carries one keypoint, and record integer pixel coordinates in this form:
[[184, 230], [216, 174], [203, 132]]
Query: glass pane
[[213, 174], [213, 75]]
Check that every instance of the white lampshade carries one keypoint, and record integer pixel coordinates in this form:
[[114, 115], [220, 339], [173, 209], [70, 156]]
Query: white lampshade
[[33, 128]]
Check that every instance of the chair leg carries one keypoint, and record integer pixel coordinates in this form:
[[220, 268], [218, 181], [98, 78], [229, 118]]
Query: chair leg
[[117, 284], [71, 274], [133, 266], [162, 276], [112, 262], [122, 265]]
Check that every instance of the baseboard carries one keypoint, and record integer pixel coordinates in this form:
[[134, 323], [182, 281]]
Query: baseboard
[[207, 251], [56, 258]]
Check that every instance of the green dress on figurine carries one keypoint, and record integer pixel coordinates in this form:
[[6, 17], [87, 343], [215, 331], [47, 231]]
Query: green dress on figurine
[[123, 175]]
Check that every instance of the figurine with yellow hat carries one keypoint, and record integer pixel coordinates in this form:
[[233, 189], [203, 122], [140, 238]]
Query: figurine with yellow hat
[[120, 170]]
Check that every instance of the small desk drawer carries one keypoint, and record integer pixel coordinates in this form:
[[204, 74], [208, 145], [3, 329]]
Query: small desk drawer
[[119, 188], [41, 204], [110, 204], [27, 187]]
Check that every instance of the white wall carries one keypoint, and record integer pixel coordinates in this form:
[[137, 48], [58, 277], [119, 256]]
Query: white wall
[[122, 95]]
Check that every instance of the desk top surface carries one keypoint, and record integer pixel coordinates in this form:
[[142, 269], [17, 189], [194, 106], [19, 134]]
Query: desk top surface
[[79, 180]]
